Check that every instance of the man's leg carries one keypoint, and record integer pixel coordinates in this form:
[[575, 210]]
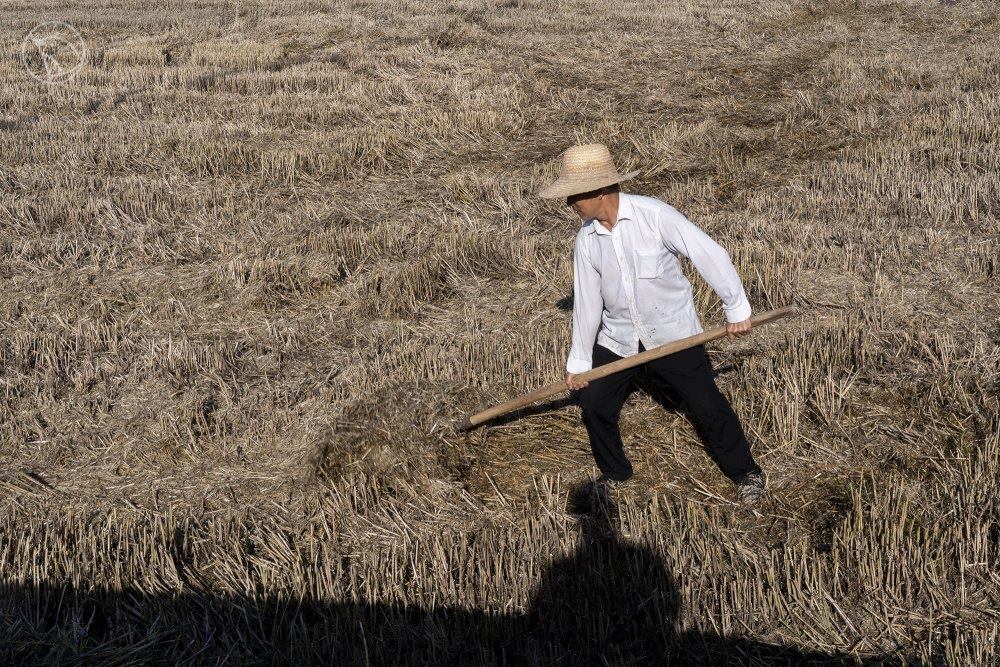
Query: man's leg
[[602, 401], [689, 372]]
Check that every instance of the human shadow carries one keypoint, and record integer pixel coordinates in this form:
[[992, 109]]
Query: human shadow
[[615, 602], [609, 602]]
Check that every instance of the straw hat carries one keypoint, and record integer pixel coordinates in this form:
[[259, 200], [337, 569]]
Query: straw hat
[[585, 168]]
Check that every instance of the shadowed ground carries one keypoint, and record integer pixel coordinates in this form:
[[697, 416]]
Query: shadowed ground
[[609, 602]]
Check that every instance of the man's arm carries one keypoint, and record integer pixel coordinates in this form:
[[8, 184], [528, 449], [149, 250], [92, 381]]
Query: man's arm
[[587, 307], [683, 237]]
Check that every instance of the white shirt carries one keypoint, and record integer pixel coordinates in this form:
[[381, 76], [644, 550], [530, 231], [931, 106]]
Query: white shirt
[[629, 281]]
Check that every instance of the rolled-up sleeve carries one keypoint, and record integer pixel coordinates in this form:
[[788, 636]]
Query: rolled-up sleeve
[[587, 307], [681, 236]]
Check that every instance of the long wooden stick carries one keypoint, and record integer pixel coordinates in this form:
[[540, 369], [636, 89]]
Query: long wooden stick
[[615, 366]]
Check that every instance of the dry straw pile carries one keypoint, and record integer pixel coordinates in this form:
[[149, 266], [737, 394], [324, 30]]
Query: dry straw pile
[[256, 257]]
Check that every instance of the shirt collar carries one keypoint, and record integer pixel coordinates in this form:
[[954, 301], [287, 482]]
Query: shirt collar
[[626, 211]]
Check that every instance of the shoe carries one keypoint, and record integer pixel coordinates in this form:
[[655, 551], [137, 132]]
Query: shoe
[[750, 489]]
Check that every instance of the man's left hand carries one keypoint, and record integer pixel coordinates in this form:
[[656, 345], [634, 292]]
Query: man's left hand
[[734, 329]]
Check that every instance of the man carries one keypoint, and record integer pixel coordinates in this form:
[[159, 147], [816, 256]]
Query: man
[[630, 294]]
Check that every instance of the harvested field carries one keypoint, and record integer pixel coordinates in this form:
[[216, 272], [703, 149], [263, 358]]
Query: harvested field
[[259, 257]]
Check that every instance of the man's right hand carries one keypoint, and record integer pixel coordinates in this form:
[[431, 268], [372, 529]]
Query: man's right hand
[[573, 383]]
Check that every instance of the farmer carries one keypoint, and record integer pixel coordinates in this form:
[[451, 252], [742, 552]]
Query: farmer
[[629, 294]]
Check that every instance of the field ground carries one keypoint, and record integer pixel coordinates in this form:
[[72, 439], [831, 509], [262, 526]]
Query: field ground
[[258, 257]]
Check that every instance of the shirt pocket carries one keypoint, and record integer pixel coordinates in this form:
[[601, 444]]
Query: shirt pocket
[[648, 264]]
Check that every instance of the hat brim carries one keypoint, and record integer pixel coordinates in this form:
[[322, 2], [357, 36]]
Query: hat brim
[[566, 187]]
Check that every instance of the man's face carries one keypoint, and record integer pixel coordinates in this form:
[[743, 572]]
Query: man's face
[[585, 204]]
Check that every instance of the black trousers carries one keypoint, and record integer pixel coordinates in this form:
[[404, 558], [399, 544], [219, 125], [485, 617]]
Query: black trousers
[[689, 373]]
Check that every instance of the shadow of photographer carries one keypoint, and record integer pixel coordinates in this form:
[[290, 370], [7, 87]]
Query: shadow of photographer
[[614, 602]]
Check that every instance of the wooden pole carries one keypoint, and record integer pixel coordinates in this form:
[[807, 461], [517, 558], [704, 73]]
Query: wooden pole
[[525, 400]]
